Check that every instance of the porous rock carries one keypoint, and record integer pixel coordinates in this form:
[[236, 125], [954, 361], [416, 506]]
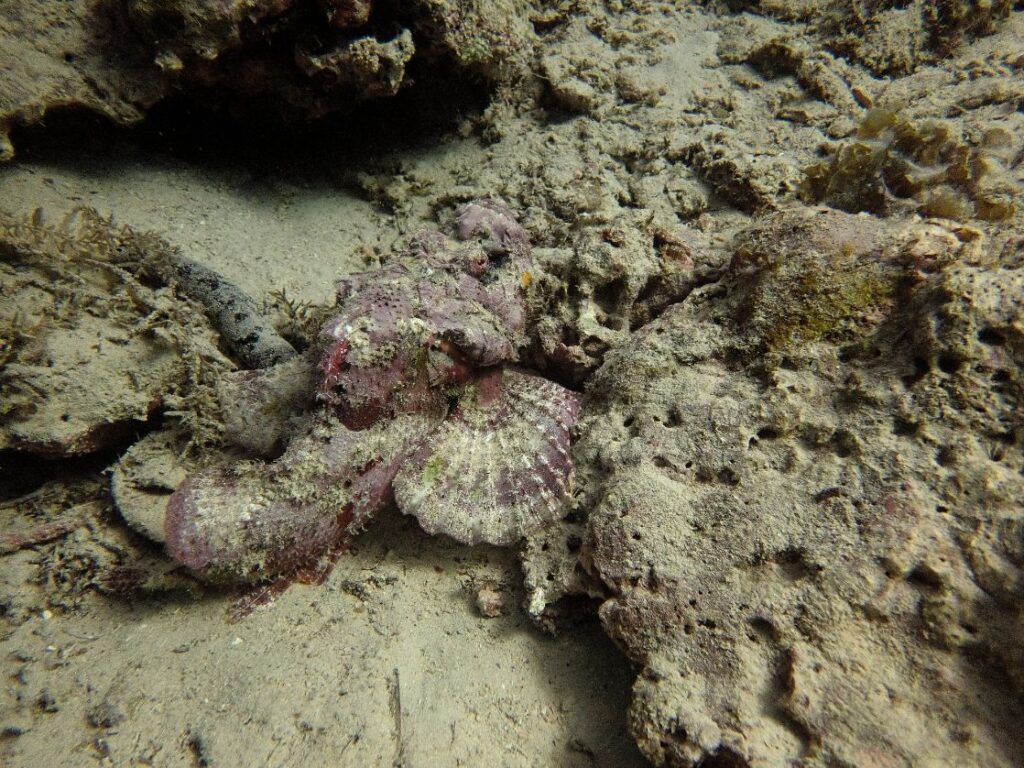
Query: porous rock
[[56, 55], [811, 538], [277, 59], [144, 479], [929, 167], [305, 60], [615, 278], [892, 37]]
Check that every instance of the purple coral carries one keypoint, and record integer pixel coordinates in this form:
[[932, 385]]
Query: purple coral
[[418, 407]]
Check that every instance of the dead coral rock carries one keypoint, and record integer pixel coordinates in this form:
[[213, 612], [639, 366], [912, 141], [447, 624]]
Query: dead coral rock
[[748, 180], [89, 351], [569, 86], [144, 479], [306, 62], [816, 556], [278, 58], [491, 601], [55, 55], [820, 73], [552, 571], [889, 37], [269, 51], [615, 278]]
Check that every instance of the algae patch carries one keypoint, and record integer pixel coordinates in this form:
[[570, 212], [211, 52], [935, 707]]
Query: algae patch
[[92, 345], [797, 293], [927, 167], [802, 300], [433, 470]]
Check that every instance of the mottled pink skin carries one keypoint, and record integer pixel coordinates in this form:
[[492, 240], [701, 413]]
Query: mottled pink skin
[[494, 222], [465, 306], [218, 521], [220, 524], [184, 542], [471, 300], [486, 493]]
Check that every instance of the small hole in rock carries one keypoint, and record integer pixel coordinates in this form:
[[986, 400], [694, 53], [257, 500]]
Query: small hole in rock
[[946, 456], [925, 577], [842, 444], [991, 336], [728, 476], [949, 364], [921, 369], [905, 428]]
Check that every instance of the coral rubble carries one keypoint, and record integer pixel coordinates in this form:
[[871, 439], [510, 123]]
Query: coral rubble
[[928, 167]]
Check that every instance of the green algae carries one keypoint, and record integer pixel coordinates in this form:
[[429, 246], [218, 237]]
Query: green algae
[[802, 300], [433, 470]]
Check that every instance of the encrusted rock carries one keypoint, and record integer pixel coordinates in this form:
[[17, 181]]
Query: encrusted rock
[[303, 61], [144, 479], [491, 602], [278, 59], [928, 167], [806, 525], [55, 55]]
